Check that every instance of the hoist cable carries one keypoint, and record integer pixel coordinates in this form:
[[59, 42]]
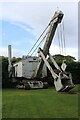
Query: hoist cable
[[41, 40], [64, 39], [38, 45], [61, 37], [38, 39], [59, 40]]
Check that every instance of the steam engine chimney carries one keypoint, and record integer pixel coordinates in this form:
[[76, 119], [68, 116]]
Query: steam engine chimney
[[9, 54]]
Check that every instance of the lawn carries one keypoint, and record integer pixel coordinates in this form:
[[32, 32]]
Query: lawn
[[0, 103], [44, 103]]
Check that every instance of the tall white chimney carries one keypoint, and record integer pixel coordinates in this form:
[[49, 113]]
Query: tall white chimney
[[9, 54]]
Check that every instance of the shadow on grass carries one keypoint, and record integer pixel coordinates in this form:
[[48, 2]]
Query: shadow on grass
[[71, 92]]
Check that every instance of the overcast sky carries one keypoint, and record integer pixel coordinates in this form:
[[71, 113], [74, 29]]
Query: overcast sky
[[23, 22]]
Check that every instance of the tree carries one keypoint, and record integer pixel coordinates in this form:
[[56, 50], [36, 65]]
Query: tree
[[60, 58], [14, 59], [5, 78], [6, 81], [70, 58]]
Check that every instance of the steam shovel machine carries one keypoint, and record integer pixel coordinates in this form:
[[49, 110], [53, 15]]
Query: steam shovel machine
[[29, 71]]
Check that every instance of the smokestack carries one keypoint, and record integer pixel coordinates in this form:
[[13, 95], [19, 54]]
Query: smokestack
[[9, 54]]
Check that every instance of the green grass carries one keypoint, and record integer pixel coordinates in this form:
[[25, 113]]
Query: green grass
[[0, 103], [44, 103]]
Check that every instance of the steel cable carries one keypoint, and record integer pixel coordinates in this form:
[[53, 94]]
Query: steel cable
[[38, 39]]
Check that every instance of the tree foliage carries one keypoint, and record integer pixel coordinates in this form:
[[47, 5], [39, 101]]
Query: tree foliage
[[60, 58], [5, 78], [6, 82], [14, 59]]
